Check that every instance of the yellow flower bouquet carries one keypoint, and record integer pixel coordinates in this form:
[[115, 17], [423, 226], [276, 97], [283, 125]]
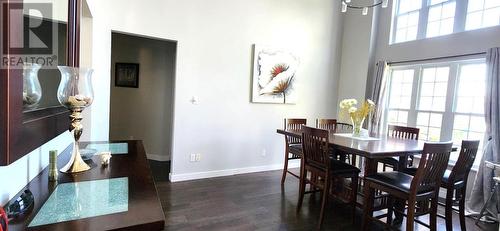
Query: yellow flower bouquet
[[357, 115]]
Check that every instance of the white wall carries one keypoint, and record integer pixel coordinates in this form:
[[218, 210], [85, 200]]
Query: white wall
[[214, 64], [18, 174], [144, 113]]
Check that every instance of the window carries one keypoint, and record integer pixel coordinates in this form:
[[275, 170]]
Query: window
[[432, 102], [441, 18], [469, 106], [482, 13], [420, 19], [400, 101], [407, 20], [444, 100]]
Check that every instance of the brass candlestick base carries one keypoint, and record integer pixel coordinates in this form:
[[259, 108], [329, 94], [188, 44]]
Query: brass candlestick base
[[76, 163]]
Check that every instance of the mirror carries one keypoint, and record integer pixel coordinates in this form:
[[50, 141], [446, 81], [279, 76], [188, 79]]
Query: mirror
[[47, 37], [45, 26]]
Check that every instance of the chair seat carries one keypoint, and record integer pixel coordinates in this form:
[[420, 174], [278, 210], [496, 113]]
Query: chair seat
[[342, 168], [391, 161], [395, 180], [446, 178], [410, 171], [444, 181], [295, 149]]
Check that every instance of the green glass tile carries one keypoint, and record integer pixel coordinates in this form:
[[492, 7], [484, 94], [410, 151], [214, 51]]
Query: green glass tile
[[114, 148], [72, 201]]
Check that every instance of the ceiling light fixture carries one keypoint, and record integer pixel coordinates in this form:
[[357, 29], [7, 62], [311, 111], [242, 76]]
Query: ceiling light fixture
[[347, 4]]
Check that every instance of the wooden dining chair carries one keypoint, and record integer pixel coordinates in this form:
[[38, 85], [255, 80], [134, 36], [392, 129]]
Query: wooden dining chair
[[424, 186], [455, 182], [293, 146], [401, 133], [344, 127], [323, 169], [327, 124], [333, 126]]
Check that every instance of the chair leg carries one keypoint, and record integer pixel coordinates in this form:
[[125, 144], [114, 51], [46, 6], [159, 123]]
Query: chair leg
[[461, 207], [410, 218], [324, 202], [433, 214], [285, 168], [368, 206], [302, 189], [448, 208], [311, 186], [354, 194], [390, 210], [399, 204]]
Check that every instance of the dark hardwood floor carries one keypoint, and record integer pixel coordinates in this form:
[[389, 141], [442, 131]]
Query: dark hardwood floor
[[253, 201]]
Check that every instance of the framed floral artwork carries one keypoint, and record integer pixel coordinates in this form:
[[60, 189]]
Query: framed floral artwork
[[274, 76]]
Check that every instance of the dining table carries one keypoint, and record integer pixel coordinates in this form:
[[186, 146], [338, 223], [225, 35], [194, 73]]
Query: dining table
[[371, 149]]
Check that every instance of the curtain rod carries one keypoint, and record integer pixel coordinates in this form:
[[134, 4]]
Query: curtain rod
[[436, 58]]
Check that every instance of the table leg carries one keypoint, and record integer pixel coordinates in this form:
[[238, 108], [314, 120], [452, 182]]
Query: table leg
[[403, 163]]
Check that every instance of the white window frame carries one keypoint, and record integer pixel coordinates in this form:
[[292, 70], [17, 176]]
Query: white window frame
[[451, 95], [482, 16], [458, 25]]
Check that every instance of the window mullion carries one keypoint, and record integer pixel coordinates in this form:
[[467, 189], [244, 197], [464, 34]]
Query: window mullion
[[448, 118], [460, 15], [422, 20], [412, 113]]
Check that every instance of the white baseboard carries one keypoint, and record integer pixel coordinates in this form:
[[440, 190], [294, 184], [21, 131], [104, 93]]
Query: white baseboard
[[228, 172], [158, 157]]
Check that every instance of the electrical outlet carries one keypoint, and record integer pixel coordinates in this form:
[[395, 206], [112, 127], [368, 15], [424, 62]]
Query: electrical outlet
[[264, 153], [192, 158], [198, 157]]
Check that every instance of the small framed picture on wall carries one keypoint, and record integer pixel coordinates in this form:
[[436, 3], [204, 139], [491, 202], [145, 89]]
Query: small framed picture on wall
[[127, 75]]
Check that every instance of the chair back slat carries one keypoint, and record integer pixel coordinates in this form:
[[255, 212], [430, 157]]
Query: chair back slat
[[431, 167], [293, 125], [327, 124], [315, 148], [465, 161], [403, 132], [344, 128]]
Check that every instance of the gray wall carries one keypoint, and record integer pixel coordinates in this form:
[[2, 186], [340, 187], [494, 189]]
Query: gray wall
[[356, 47], [144, 113]]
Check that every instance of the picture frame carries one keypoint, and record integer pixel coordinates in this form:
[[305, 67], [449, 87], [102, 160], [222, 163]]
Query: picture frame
[[274, 75], [127, 75]]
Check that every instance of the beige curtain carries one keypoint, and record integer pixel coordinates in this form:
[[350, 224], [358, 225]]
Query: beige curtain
[[484, 178], [379, 96]]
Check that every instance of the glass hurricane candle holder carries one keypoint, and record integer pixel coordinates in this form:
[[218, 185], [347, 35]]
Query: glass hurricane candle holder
[[32, 91], [75, 93]]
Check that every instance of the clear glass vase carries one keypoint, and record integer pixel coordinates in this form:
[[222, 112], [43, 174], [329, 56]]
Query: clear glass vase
[[32, 91], [75, 93], [357, 124]]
